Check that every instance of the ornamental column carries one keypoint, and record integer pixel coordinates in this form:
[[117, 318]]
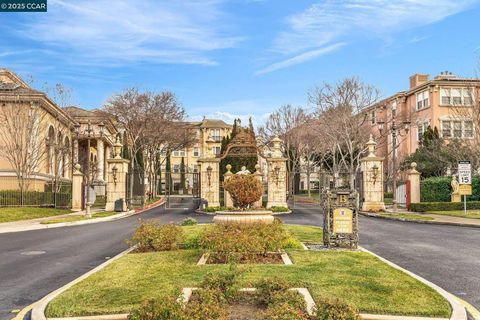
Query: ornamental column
[[226, 195], [77, 181], [100, 160], [117, 170], [372, 170], [414, 178], [210, 180], [75, 151], [277, 176]]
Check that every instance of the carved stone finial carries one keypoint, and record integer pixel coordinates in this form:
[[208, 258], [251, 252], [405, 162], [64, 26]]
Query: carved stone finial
[[277, 147], [371, 144], [77, 167], [229, 168], [257, 168]]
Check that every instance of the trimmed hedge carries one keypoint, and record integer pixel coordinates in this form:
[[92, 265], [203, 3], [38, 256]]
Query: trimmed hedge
[[438, 189], [443, 206]]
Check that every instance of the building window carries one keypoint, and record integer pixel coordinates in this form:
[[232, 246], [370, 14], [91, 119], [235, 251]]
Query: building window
[[457, 128], [195, 168], [421, 128], [215, 135], [196, 152], [394, 108], [179, 153], [216, 150], [446, 129], [422, 100], [176, 168], [373, 117], [456, 96]]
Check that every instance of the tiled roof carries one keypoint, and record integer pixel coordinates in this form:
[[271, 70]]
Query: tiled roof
[[213, 123], [79, 112]]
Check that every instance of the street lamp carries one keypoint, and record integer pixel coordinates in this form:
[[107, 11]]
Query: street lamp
[[209, 176], [395, 130]]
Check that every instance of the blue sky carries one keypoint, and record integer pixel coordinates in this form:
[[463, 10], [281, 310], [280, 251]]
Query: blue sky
[[229, 58]]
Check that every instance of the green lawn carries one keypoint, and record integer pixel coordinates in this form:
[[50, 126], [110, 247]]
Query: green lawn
[[10, 214], [407, 216], [306, 233], [357, 277], [80, 217], [472, 214]]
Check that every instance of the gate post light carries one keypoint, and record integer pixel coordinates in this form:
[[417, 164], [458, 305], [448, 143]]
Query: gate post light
[[374, 173], [209, 175], [276, 173]]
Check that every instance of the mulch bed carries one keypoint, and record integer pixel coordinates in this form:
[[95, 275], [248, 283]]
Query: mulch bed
[[270, 258]]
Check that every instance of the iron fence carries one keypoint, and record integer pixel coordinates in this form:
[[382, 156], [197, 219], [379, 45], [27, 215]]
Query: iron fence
[[56, 194]]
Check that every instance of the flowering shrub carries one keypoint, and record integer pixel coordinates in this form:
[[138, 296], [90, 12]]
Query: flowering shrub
[[245, 189], [336, 309], [189, 222], [158, 309], [153, 236], [243, 242], [207, 304]]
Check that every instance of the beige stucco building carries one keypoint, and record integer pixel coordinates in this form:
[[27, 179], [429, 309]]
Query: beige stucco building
[[209, 134], [54, 138]]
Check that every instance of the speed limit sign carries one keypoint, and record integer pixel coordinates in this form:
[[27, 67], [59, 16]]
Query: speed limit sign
[[464, 172]]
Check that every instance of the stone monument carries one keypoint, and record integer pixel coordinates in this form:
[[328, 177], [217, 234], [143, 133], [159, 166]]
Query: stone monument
[[277, 176], [372, 170], [340, 221], [456, 197]]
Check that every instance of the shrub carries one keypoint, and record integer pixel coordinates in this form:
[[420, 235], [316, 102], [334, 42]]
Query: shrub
[[245, 189], [443, 206], [189, 222], [206, 304], [225, 282], [336, 310], [152, 236], [239, 242], [158, 309], [388, 195], [267, 288], [214, 209], [438, 189], [279, 209], [283, 311]]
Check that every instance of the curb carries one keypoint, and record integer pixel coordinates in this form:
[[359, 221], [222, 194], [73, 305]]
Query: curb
[[220, 212], [441, 223], [458, 310], [38, 311]]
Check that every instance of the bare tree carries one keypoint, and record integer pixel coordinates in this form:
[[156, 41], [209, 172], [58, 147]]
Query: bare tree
[[339, 110], [22, 140], [143, 115]]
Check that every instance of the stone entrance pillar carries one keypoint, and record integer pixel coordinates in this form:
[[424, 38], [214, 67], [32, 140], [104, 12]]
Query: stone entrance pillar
[[414, 178], [77, 179], [100, 160], [226, 195], [277, 176], [210, 180], [372, 170], [117, 170]]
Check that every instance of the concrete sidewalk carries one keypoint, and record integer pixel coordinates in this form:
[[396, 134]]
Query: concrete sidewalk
[[437, 218]]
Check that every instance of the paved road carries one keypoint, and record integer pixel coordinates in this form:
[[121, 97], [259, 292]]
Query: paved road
[[447, 256]]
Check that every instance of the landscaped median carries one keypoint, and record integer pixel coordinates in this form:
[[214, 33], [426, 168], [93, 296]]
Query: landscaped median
[[358, 279], [80, 217]]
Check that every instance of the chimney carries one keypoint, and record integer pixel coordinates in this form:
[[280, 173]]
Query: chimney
[[418, 79]]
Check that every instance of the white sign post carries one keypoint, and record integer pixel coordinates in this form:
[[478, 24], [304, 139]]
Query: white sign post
[[464, 177]]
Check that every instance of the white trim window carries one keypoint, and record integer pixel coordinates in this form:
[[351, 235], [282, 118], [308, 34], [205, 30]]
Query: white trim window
[[216, 150], [456, 97], [179, 153], [176, 168], [421, 128], [215, 135], [423, 100], [457, 128], [196, 152], [195, 168]]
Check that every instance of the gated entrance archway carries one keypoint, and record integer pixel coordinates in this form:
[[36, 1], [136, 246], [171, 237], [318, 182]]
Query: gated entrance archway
[[181, 189]]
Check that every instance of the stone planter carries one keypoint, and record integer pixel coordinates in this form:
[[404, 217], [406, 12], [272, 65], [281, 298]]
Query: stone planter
[[245, 217]]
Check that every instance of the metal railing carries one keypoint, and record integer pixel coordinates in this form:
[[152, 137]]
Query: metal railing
[[39, 194]]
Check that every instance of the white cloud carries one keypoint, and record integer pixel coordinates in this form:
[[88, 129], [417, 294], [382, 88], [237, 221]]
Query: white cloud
[[326, 23], [300, 58], [106, 32]]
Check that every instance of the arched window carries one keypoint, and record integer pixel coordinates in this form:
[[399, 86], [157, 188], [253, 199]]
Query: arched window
[[50, 143]]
